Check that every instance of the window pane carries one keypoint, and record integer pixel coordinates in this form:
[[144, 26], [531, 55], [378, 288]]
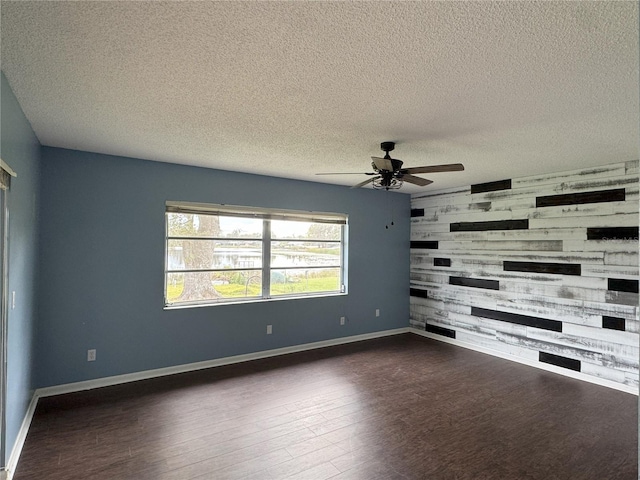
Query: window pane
[[192, 225], [174, 287], [237, 227], [213, 286], [305, 280], [200, 225], [210, 254], [238, 284], [305, 254], [282, 229]]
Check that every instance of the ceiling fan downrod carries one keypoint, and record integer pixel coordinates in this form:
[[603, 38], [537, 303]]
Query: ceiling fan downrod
[[387, 147]]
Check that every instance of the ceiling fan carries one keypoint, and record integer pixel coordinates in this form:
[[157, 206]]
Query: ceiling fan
[[388, 172]]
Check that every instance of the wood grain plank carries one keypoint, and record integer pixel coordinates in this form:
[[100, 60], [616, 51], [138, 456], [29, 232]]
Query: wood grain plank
[[424, 245], [516, 224], [608, 246], [417, 292], [632, 325], [502, 245], [560, 361], [614, 170], [421, 225], [606, 373], [613, 233], [447, 192], [613, 336], [438, 330], [623, 285], [577, 233], [513, 204], [621, 298], [475, 283], [613, 323], [624, 259], [631, 168], [491, 186], [490, 257], [598, 196], [421, 234], [570, 293], [578, 210], [618, 220], [543, 267], [462, 208], [442, 262], [618, 271], [518, 319], [497, 345]]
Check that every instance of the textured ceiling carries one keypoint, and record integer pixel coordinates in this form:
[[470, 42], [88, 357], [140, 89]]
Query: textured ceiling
[[293, 88]]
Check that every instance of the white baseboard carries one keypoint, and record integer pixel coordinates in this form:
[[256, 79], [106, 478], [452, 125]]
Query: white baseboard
[[160, 372], [543, 366], [12, 463], [189, 367]]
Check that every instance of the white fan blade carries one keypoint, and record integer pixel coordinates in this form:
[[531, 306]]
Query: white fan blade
[[382, 163]]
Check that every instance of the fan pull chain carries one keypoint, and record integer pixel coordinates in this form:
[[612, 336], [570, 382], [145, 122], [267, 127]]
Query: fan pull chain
[[390, 209]]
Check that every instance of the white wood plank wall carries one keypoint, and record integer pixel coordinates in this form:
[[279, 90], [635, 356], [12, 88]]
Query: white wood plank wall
[[568, 292]]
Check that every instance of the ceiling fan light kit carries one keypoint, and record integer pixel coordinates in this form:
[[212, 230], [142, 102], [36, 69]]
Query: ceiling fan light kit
[[388, 173]]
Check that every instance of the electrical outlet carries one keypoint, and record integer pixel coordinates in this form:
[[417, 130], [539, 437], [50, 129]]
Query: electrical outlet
[[342, 320], [91, 355], [269, 330], [377, 312]]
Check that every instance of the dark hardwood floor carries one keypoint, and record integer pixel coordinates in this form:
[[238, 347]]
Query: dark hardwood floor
[[402, 407]]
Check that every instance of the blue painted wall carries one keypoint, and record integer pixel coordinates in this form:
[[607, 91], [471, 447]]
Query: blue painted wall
[[20, 148], [102, 258]]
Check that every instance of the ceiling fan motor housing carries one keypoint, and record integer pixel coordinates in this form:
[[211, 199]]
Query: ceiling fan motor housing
[[387, 146]]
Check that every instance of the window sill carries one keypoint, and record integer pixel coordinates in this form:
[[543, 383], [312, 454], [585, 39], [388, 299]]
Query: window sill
[[257, 300]]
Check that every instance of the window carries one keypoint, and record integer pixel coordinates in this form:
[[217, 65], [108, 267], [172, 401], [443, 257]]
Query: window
[[222, 254]]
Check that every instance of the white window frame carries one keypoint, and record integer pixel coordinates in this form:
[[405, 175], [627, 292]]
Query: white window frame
[[267, 215]]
